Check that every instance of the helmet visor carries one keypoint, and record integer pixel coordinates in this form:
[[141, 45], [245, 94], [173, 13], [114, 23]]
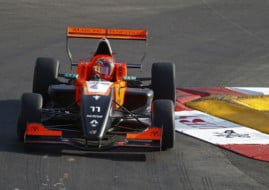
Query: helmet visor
[[105, 70], [103, 67]]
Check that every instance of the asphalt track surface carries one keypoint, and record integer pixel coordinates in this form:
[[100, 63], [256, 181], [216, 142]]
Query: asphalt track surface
[[212, 42]]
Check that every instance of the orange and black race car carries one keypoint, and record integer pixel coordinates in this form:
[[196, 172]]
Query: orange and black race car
[[100, 106]]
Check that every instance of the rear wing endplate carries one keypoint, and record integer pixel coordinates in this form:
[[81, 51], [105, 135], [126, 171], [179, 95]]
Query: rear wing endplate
[[110, 33]]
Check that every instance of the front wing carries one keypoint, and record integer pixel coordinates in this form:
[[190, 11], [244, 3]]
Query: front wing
[[38, 133]]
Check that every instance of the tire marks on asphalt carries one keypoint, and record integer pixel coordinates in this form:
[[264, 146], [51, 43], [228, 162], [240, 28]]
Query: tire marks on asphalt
[[153, 171], [182, 171], [207, 183]]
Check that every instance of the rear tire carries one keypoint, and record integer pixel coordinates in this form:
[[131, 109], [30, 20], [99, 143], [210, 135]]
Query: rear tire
[[163, 116], [30, 111], [45, 74], [163, 81]]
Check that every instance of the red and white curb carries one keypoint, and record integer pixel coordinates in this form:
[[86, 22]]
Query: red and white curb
[[234, 137]]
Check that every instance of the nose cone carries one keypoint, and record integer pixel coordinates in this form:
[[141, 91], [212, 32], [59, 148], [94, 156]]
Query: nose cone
[[96, 109]]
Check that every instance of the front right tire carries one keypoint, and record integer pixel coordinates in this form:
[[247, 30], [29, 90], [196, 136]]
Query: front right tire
[[163, 116]]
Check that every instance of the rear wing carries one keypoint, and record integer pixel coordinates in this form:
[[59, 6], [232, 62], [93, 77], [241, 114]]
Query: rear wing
[[123, 34], [99, 33]]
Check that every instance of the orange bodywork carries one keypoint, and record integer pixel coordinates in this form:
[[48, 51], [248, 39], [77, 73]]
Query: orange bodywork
[[127, 34], [85, 70], [149, 134], [37, 129]]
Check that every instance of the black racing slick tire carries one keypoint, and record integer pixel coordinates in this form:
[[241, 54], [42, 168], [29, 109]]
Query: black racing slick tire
[[45, 74], [163, 116], [30, 111], [163, 81]]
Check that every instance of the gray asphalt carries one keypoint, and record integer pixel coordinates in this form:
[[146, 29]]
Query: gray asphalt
[[212, 42]]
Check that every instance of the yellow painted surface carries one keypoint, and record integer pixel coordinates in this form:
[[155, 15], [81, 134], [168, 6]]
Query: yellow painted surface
[[249, 111], [259, 102]]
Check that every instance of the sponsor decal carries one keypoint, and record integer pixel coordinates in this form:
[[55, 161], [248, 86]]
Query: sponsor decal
[[94, 87], [199, 123], [232, 134], [93, 132], [95, 116], [96, 97], [155, 133], [94, 123], [99, 87]]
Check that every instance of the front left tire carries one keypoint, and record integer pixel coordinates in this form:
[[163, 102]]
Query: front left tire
[[30, 112]]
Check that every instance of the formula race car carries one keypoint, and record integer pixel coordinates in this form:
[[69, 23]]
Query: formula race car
[[100, 106]]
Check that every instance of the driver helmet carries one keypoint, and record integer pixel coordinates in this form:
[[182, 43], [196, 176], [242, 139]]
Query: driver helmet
[[104, 67]]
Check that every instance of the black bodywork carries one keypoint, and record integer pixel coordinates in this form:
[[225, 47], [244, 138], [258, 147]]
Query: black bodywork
[[96, 123]]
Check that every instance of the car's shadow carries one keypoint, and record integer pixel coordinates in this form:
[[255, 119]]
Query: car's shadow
[[9, 110]]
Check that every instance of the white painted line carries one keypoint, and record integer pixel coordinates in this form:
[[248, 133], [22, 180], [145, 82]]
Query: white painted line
[[251, 90], [215, 130]]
